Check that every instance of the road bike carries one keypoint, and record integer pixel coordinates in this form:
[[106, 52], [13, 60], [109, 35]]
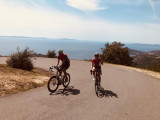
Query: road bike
[[97, 80], [57, 80]]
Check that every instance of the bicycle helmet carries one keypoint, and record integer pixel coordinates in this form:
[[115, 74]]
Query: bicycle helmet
[[96, 54], [60, 51]]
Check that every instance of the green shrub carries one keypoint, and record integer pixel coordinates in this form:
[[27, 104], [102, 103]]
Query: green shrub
[[116, 53], [21, 59], [51, 54]]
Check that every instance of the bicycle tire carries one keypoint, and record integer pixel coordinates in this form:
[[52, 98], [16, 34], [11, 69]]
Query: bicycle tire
[[66, 83], [55, 85], [96, 85]]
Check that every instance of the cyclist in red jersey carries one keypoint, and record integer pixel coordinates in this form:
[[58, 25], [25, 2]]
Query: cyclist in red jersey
[[65, 62], [96, 65]]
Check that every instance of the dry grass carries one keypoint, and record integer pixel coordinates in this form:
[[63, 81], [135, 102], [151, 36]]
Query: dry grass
[[14, 80], [144, 71]]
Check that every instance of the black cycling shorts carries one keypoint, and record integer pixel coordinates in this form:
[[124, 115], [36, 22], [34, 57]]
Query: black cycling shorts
[[98, 68], [66, 66]]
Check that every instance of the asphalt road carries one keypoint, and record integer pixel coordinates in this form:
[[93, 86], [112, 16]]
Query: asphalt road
[[127, 95]]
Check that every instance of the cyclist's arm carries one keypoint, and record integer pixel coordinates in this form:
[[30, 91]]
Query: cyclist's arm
[[92, 65], [58, 62], [101, 61]]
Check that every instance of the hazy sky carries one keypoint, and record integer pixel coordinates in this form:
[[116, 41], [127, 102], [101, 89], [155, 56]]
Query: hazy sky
[[129, 21]]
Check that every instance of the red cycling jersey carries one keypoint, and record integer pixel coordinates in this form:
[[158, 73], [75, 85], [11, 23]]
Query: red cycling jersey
[[63, 57], [96, 62]]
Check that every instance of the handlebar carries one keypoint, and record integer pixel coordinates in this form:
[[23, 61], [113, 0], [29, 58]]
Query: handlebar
[[94, 71], [91, 72], [53, 67]]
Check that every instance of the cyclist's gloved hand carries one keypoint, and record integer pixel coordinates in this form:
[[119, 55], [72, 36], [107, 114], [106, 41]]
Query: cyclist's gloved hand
[[91, 72]]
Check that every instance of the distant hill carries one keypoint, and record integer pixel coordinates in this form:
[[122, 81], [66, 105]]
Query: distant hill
[[135, 52], [146, 60], [143, 47], [155, 52]]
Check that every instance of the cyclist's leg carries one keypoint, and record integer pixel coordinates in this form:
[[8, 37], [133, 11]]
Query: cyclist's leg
[[93, 72], [99, 75], [66, 66], [64, 71], [60, 71]]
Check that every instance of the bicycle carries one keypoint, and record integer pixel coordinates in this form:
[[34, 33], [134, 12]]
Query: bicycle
[[97, 81], [55, 80]]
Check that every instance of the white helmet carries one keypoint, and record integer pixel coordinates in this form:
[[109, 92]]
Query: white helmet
[[96, 54], [60, 51]]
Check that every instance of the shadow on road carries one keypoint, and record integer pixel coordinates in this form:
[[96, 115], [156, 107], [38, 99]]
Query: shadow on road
[[67, 91], [105, 93]]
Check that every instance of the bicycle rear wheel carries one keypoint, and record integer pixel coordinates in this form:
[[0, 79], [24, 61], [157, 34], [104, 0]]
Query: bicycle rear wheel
[[53, 84], [66, 80]]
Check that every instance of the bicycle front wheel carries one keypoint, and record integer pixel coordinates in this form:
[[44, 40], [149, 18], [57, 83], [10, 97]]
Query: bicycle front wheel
[[53, 84], [66, 81], [96, 85]]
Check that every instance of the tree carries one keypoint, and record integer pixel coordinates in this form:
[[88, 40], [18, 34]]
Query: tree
[[116, 53]]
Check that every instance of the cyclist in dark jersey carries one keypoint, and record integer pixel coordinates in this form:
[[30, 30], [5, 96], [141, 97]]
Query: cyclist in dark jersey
[[96, 65], [65, 62]]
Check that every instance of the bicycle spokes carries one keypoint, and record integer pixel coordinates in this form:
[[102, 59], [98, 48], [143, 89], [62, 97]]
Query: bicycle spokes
[[53, 84]]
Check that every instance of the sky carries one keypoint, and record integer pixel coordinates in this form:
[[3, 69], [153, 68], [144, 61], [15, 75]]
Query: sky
[[127, 21]]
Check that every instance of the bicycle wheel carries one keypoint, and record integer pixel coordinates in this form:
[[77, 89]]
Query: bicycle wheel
[[53, 84], [66, 81], [97, 85]]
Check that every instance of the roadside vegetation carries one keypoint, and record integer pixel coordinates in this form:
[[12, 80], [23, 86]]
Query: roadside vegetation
[[39, 55], [21, 59], [19, 73], [13, 80], [147, 61], [154, 68], [51, 54], [116, 53]]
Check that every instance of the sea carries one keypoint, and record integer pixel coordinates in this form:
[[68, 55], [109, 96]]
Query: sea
[[75, 49]]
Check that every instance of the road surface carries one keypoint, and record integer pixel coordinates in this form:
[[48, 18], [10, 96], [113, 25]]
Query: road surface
[[127, 95]]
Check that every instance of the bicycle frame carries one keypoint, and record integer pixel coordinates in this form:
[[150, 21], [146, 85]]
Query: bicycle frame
[[54, 67]]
